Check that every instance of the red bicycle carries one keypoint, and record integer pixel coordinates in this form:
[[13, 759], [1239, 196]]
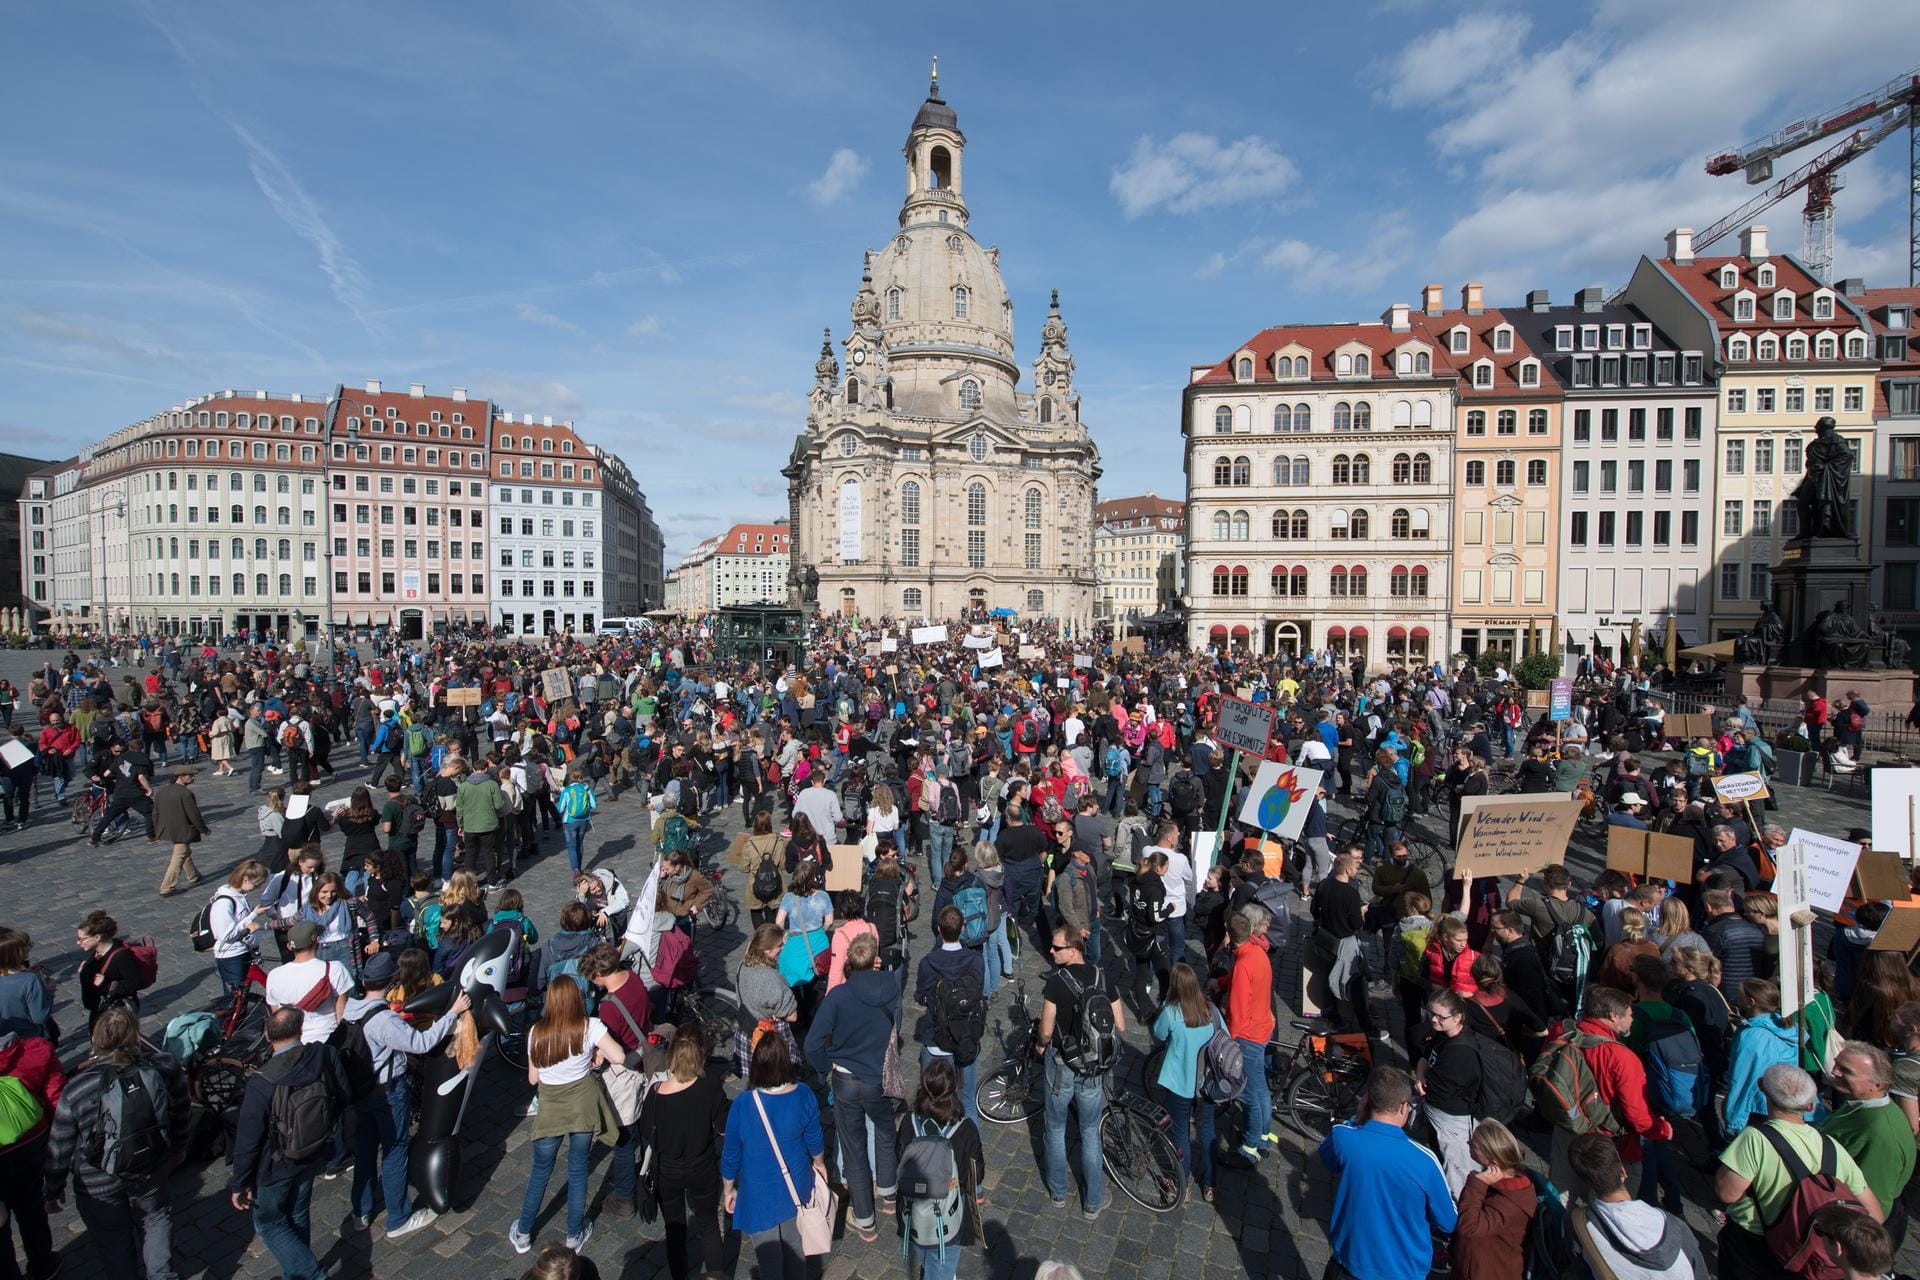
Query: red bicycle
[[219, 1072]]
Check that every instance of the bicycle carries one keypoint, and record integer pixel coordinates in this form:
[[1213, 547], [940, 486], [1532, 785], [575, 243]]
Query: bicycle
[[87, 810], [218, 1076], [1138, 1150], [1322, 1077], [721, 908], [1014, 1091], [717, 1012]]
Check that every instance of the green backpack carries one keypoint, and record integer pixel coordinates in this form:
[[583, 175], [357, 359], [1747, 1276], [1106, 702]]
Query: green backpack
[[19, 1110]]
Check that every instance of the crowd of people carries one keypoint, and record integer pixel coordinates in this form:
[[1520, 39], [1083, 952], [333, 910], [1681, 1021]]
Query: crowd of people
[[1035, 819]]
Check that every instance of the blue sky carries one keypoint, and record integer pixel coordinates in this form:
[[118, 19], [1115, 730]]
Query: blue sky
[[641, 216]]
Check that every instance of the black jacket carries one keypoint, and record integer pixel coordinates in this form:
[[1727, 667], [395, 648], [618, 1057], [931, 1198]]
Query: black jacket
[[76, 1125], [120, 983], [255, 1163], [1526, 977]]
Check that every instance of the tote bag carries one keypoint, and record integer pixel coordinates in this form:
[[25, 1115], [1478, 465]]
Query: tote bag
[[815, 1221]]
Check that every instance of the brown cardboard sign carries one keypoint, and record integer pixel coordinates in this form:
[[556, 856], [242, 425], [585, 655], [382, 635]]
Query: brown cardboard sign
[[1698, 724], [1504, 835], [1650, 854], [1539, 699], [469, 697], [556, 684], [1901, 932], [844, 869], [1880, 875]]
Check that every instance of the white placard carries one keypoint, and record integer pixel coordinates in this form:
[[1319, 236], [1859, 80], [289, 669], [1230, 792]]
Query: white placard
[[976, 642], [889, 644], [1735, 787], [991, 658], [1028, 652], [1896, 811], [1245, 726], [1203, 845], [930, 635], [1790, 883], [296, 806], [1279, 799], [1083, 661], [15, 753], [850, 521], [1063, 683], [1829, 867]]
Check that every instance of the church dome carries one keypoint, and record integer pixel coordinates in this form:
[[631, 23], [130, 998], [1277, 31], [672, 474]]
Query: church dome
[[936, 114]]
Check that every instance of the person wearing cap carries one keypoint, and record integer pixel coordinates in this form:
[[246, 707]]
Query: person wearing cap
[[1627, 810], [318, 988], [383, 1114], [177, 820]]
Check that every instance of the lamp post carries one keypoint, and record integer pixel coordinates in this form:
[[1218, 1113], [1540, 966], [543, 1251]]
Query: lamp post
[[106, 583]]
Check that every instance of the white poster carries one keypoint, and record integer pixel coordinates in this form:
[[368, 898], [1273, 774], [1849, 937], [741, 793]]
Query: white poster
[[1829, 867], [409, 584], [1028, 652], [1796, 943], [991, 658], [930, 635], [1083, 661], [976, 642], [889, 645], [1896, 812], [1203, 845], [14, 753], [850, 521], [1279, 799]]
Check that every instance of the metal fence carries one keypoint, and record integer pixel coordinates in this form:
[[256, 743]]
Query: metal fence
[[1886, 730]]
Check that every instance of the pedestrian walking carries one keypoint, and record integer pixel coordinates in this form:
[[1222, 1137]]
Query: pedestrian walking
[[178, 822]]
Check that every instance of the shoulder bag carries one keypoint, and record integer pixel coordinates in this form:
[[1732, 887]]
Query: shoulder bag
[[815, 1220]]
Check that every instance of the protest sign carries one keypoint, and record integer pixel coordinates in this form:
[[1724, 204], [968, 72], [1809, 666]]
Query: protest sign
[[873, 649], [1131, 647], [844, 868], [1796, 941], [1502, 835], [1735, 787], [889, 644], [976, 642], [468, 697], [1901, 932], [991, 658], [1083, 660], [1279, 799], [1063, 683], [556, 684], [1539, 699], [1245, 726], [1828, 864], [1881, 875], [15, 753], [1028, 652], [930, 635], [1562, 700], [1650, 853], [1698, 724], [1896, 811], [1203, 845]]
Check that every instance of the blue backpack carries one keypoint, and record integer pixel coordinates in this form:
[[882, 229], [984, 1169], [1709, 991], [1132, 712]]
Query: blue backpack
[[1676, 1068], [974, 921], [570, 969], [1114, 762]]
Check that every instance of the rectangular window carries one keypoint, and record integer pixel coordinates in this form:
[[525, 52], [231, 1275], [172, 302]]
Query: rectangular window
[[1854, 399], [1900, 578], [1903, 522], [1582, 425], [1663, 475], [1733, 517], [1605, 537], [1729, 582], [1762, 518], [1759, 582], [1580, 469], [1689, 528], [1763, 400], [1763, 456], [976, 548], [1635, 524], [1577, 529], [1609, 424], [1790, 456], [1536, 528], [1693, 429], [1736, 400], [1736, 458], [1636, 476], [1823, 399], [1609, 476], [1662, 528], [1903, 398], [1796, 400], [1473, 528], [1906, 457]]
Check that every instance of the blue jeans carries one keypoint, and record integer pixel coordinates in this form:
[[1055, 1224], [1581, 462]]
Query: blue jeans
[[900, 839], [1116, 796], [1176, 941], [1153, 800], [1196, 1149], [233, 972], [575, 834], [997, 954], [418, 765], [856, 1101], [927, 1263], [446, 845], [625, 1172], [545, 1152], [256, 764], [1023, 881], [364, 734], [380, 1129], [1379, 836], [282, 1214], [1255, 1098], [1088, 1097], [939, 847], [969, 1078]]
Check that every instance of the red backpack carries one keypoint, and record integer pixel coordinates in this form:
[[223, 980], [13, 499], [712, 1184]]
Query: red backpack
[[146, 958], [1795, 1245]]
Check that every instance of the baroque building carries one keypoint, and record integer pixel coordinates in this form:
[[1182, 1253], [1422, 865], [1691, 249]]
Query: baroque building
[[926, 482]]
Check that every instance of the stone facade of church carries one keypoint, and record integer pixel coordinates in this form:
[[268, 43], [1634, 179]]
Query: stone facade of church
[[927, 483]]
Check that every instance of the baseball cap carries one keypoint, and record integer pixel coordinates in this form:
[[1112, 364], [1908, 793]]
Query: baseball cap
[[302, 935]]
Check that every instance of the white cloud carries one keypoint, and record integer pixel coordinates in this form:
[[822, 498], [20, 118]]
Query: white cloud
[[545, 319], [1193, 171], [1441, 63], [289, 199], [1383, 251], [843, 174], [74, 333], [647, 326], [519, 395]]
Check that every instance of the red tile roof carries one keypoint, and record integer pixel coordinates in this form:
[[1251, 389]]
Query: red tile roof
[[760, 540], [1700, 279], [1321, 341], [1146, 506], [1506, 364]]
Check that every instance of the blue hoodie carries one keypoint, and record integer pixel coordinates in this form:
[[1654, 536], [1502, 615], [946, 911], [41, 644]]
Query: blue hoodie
[[854, 1024], [1764, 1042]]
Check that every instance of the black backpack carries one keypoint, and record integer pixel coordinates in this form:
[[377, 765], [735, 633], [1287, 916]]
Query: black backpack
[[959, 1008], [766, 879], [1088, 1042], [349, 1040], [1503, 1081], [946, 809], [302, 1118], [1029, 734], [882, 909], [131, 1142], [1186, 793]]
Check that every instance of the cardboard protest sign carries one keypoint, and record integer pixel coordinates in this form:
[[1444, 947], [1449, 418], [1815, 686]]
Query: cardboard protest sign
[[1279, 799], [891, 670], [1881, 875], [930, 635], [469, 697], [1028, 652], [1896, 811], [1650, 853], [1735, 787], [1901, 932], [556, 684], [1502, 835], [873, 649], [1131, 647], [1539, 699], [844, 869], [1698, 724], [1245, 726], [1828, 864], [991, 658], [976, 642]]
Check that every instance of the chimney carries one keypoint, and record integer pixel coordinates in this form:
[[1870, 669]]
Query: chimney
[[417, 390], [1432, 299], [1537, 300], [1470, 299], [1753, 243], [1396, 317], [1852, 286], [259, 395], [373, 386], [526, 419], [1591, 298], [297, 398], [546, 419], [460, 395], [1680, 246], [227, 394]]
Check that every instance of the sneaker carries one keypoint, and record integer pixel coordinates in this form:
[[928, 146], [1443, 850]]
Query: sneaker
[[579, 1242], [617, 1207], [533, 1108], [335, 1170], [520, 1240], [1271, 1138], [1093, 1214], [1251, 1154], [1059, 1202], [359, 1221], [419, 1218]]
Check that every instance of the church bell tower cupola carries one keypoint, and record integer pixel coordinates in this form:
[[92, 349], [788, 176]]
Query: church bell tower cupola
[[933, 152]]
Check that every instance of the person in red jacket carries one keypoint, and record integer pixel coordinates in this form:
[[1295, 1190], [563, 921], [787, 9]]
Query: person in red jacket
[[1620, 1080], [58, 741], [1449, 960], [1250, 1021], [31, 1061]]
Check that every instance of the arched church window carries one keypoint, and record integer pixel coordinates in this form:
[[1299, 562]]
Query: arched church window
[[977, 504], [893, 304], [1034, 501], [910, 502], [1046, 409], [959, 302], [977, 447], [853, 391], [969, 394]]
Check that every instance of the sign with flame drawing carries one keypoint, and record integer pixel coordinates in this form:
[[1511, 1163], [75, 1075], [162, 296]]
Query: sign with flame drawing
[[1279, 799]]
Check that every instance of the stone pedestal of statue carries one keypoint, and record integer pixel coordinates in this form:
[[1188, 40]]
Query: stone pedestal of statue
[[1883, 690], [1813, 576]]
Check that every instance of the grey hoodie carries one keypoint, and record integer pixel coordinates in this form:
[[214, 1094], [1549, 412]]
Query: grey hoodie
[[1638, 1241]]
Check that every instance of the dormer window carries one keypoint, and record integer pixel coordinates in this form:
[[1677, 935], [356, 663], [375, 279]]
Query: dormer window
[[1503, 339], [1589, 337], [1563, 337], [1422, 363], [969, 395], [1582, 371], [1764, 277], [1823, 306], [893, 304], [1743, 306], [1766, 347], [1796, 347], [1362, 365], [959, 302], [1783, 305], [1896, 317], [1457, 341], [1343, 365], [1403, 362], [1616, 336], [1642, 337], [1483, 373], [1729, 277], [1529, 373], [1737, 348], [1856, 347], [1826, 347], [1243, 369]]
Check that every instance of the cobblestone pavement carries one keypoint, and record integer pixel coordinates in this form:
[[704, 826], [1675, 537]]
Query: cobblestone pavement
[[1264, 1222]]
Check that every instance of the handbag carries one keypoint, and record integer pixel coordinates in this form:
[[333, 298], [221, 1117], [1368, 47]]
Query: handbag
[[815, 1217], [893, 1081]]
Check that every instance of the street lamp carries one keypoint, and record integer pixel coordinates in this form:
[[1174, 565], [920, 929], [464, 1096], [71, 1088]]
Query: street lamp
[[106, 583]]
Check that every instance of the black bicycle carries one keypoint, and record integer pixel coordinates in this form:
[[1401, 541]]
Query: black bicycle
[[1014, 1091]]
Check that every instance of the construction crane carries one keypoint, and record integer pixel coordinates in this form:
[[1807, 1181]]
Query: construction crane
[[1866, 121]]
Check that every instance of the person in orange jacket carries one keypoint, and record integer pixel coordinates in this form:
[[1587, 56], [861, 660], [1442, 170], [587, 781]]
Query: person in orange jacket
[[1250, 1021]]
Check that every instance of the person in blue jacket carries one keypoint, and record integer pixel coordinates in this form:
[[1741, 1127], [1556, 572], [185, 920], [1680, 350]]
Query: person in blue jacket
[[1391, 1194], [773, 1151], [1763, 1042]]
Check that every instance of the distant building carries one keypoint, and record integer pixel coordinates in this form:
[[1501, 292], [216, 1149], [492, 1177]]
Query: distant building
[[37, 549], [1139, 556], [748, 564], [1895, 525]]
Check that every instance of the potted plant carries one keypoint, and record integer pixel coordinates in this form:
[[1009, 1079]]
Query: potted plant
[[1793, 758]]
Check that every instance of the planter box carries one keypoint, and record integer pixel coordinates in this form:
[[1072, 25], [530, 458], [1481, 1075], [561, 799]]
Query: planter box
[[1794, 768]]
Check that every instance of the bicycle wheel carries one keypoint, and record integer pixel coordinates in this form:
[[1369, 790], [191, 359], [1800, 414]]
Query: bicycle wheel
[[718, 1013], [1009, 1094], [720, 910], [221, 1082], [1315, 1104], [1428, 857], [1140, 1157], [82, 813]]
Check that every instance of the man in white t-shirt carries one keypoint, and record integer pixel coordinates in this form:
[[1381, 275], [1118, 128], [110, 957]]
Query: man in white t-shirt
[[1178, 879], [1072, 727], [319, 987]]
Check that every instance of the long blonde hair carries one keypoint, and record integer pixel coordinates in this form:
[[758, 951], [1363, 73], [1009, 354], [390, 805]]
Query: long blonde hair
[[882, 799], [461, 887]]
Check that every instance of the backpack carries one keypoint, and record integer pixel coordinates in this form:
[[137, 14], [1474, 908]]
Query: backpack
[[1503, 1081], [131, 1141], [290, 736], [1412, 935], [1676, 1069], [946, 809], [1113, 762], [1050, 810], [673, 836], [146, 957], [1416, 753], [1186, 793], [1078, 789], [349, 1040], [929, 1182], [413, 820], [1572, 948], [881, 907], [303, 1117], [959, 1019], [975, 922], [1549, 1240], [1564, 1088], [20, 1110], [1029, 735], [200, 931], [569, 968], [1271, 893], [1393, 809], [959, 758], [1791, 1239], [419, 741], [766, 879], [1223, 1068], [1087, 1040], [853, 805]]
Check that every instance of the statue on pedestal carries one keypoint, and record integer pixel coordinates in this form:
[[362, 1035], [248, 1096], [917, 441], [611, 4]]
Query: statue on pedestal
[[1823, 494], [1895, 653], [810, 585], [1760, 646], [1839, 642]]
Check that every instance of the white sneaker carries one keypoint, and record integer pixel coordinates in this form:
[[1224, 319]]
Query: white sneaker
[[420, 1218], [520, 1240], [579, 1242]]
